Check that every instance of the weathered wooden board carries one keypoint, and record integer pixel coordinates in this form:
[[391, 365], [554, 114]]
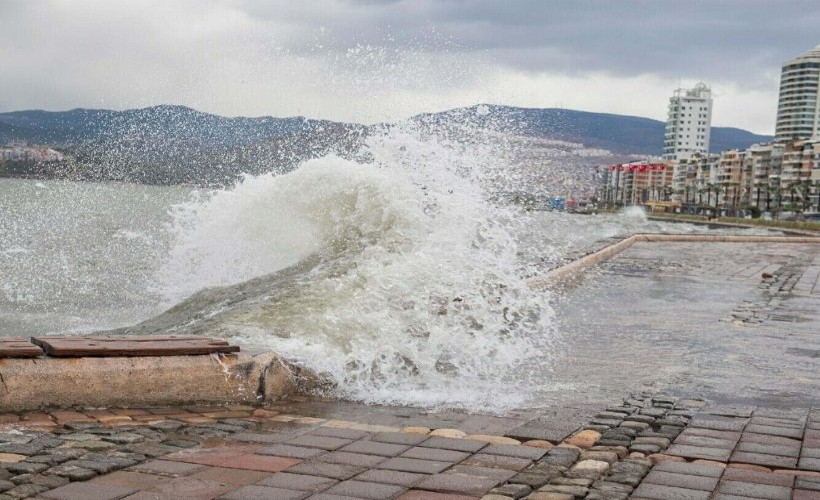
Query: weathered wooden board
[[18, 348], [132, 346]]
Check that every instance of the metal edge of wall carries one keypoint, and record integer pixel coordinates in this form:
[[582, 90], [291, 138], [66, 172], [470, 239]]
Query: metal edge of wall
[[587, 261], [27, 384]]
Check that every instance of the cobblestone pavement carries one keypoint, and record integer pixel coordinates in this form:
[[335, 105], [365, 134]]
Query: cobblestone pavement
[[648, 447], [731, 322]]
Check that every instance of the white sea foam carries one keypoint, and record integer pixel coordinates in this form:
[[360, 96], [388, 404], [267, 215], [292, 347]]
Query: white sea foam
[[417, 296]]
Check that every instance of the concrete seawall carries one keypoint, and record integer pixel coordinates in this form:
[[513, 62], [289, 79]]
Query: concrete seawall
[[595, 258], [152, 380]]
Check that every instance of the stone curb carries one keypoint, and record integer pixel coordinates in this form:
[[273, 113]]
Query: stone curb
[[27, 384]]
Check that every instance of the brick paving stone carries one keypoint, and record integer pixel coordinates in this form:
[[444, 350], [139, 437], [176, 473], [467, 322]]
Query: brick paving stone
[[727, 435], [444, 443], [407, 479], [375, 448], [321, 442], [89, 491], [497, 461], [774, 461], [362, 489], [703, 441], [258, 437], [237, 477], [73, 473], [435, 454], [458, 483], [184, 487], [660, 492], [512, 490], [809, 464], [769, 449], [208, 456], [284, 450], [750, 437], [264, 463], [131, 479], [256, 492], [718, 423], [413, 465], [339, 433], [500, 475], [755, 490], [335, 471], [810, 453], [341, 457], [807, 483], [717, 454], [511, 450], [682, 480], [749, 476], [168, 467], [289, 481], [404, 438], [551, 434], [791, 414], [776, 431], [805, 495], [777, 422], [689, 468], [533, 479]]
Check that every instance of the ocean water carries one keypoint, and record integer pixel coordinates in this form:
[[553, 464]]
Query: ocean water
[[396, 274]]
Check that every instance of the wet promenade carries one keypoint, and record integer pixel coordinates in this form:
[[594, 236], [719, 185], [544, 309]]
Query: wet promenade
[[649, 446], [685, 371]]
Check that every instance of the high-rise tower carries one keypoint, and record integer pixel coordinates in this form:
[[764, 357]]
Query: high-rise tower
[[798, 109], [689, 123]]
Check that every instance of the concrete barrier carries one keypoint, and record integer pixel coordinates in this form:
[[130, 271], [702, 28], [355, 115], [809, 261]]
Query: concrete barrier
[[609, 251], [156, 380]]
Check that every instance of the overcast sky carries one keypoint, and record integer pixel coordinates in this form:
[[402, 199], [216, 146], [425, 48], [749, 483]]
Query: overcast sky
[[371, 60]]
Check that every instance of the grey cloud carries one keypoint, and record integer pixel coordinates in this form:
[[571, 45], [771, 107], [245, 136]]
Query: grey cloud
[[716, 39]]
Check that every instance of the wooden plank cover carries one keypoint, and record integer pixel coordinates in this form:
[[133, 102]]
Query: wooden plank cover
[[18, 348], [132, 346]]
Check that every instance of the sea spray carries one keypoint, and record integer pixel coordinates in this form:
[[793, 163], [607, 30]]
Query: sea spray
[[396, 276]]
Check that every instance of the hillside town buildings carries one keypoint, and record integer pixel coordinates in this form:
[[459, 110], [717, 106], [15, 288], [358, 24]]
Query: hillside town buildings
[[782, 176], [21, 151]]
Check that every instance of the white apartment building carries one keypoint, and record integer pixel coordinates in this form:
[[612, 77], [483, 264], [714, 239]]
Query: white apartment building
[[689, 123], [798, 109]]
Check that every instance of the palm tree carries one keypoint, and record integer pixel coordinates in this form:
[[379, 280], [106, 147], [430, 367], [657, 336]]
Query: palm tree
[[718, 189], [792, 187]]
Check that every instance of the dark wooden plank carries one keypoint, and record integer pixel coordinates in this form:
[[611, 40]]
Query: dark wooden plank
[[18, 348], [132, 346]]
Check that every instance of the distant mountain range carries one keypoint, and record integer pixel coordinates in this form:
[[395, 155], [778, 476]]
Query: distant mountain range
[[169, 144], [619, 134]]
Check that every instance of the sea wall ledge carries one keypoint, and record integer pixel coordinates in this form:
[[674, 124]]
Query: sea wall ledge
[[594, 258], [33, 383]]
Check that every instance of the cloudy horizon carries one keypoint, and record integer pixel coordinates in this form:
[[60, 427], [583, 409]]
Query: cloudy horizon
[[367, 61]]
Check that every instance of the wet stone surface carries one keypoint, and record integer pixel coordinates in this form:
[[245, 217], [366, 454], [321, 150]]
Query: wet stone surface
[[648, 446]]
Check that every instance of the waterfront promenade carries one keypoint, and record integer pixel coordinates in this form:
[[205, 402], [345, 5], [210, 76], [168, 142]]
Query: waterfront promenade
[[689, 370]]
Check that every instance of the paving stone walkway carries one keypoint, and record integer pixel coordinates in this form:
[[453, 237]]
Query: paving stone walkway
[[650, 447]]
